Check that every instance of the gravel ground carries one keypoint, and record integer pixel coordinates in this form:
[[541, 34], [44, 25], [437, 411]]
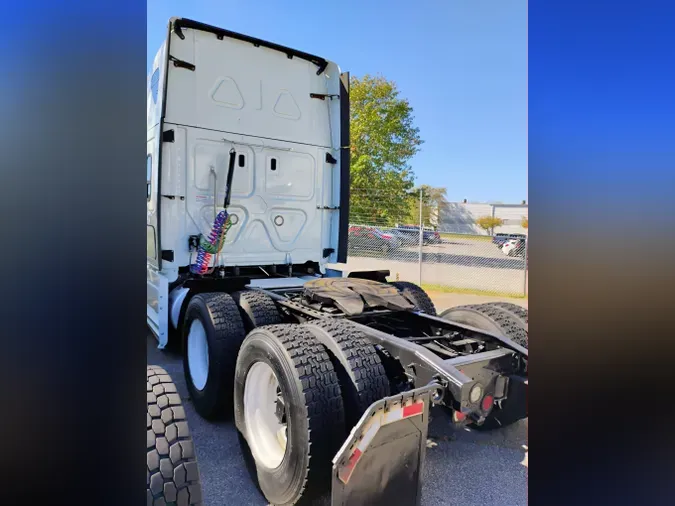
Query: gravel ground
[[463, 467]]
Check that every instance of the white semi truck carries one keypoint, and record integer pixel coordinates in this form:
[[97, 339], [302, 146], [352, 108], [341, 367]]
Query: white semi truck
[[329, 375]]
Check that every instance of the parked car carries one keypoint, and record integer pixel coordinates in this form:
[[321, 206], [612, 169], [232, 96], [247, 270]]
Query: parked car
[[404, 238], [500, 239], [372, 239], [514, 247], [412, 235]]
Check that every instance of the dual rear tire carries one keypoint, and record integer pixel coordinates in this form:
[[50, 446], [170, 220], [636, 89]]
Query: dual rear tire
[[214, 327], [288, 409], [504, 318], [213, 331], [498, 317], [299, 390], [296, 390], [416, 295]]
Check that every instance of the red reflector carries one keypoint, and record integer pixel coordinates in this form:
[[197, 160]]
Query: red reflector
[[488, 400], [348, 469], [413, 409], [353, 459], [459, 416]]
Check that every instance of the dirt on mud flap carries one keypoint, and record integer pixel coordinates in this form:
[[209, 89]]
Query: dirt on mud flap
[[381, 463]]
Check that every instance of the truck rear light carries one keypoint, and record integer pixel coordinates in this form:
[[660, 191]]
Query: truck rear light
[[488, 401], [475, 393]]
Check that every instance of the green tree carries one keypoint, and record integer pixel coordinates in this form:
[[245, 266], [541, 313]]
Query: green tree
[[383, 140], [434, 202], [489, 223]]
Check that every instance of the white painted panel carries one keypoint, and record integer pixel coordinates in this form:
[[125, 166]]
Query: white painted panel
[[256, 100], [157, 314], [278, 212], [237, 87], [155, 88], [289, 174]]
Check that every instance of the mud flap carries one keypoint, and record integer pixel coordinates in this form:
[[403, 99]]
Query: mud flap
[[514, 407], [382, 460]]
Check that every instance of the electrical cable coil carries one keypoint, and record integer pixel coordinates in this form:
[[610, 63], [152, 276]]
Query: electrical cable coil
[[212, 244]]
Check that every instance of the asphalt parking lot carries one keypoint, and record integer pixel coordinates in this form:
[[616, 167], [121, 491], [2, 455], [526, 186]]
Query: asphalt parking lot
[[463, 467]]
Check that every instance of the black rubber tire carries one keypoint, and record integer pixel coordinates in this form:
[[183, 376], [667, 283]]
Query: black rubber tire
[[518, 312], [224, 328], [257, 309], [363, 379], [311, 391], [416, 295], [494, 319], [172, 469], [490, 318]]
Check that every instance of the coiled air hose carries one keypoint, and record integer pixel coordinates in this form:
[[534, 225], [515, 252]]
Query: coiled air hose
[[211, 245]]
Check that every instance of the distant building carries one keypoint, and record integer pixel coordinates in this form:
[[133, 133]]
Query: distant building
[[460, 217]]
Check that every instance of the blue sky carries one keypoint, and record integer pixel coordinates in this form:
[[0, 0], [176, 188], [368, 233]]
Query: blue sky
[[461, 64]]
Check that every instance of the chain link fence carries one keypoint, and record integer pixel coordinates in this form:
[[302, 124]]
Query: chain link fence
[[437, 245]]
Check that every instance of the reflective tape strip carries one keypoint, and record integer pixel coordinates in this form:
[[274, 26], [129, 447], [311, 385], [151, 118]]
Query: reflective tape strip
[[347, 470], [369, 433], [413, 410]]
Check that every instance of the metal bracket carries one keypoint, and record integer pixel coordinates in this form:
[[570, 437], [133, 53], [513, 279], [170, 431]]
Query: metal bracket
[[181, 63], [323, 96], [178, 32]]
